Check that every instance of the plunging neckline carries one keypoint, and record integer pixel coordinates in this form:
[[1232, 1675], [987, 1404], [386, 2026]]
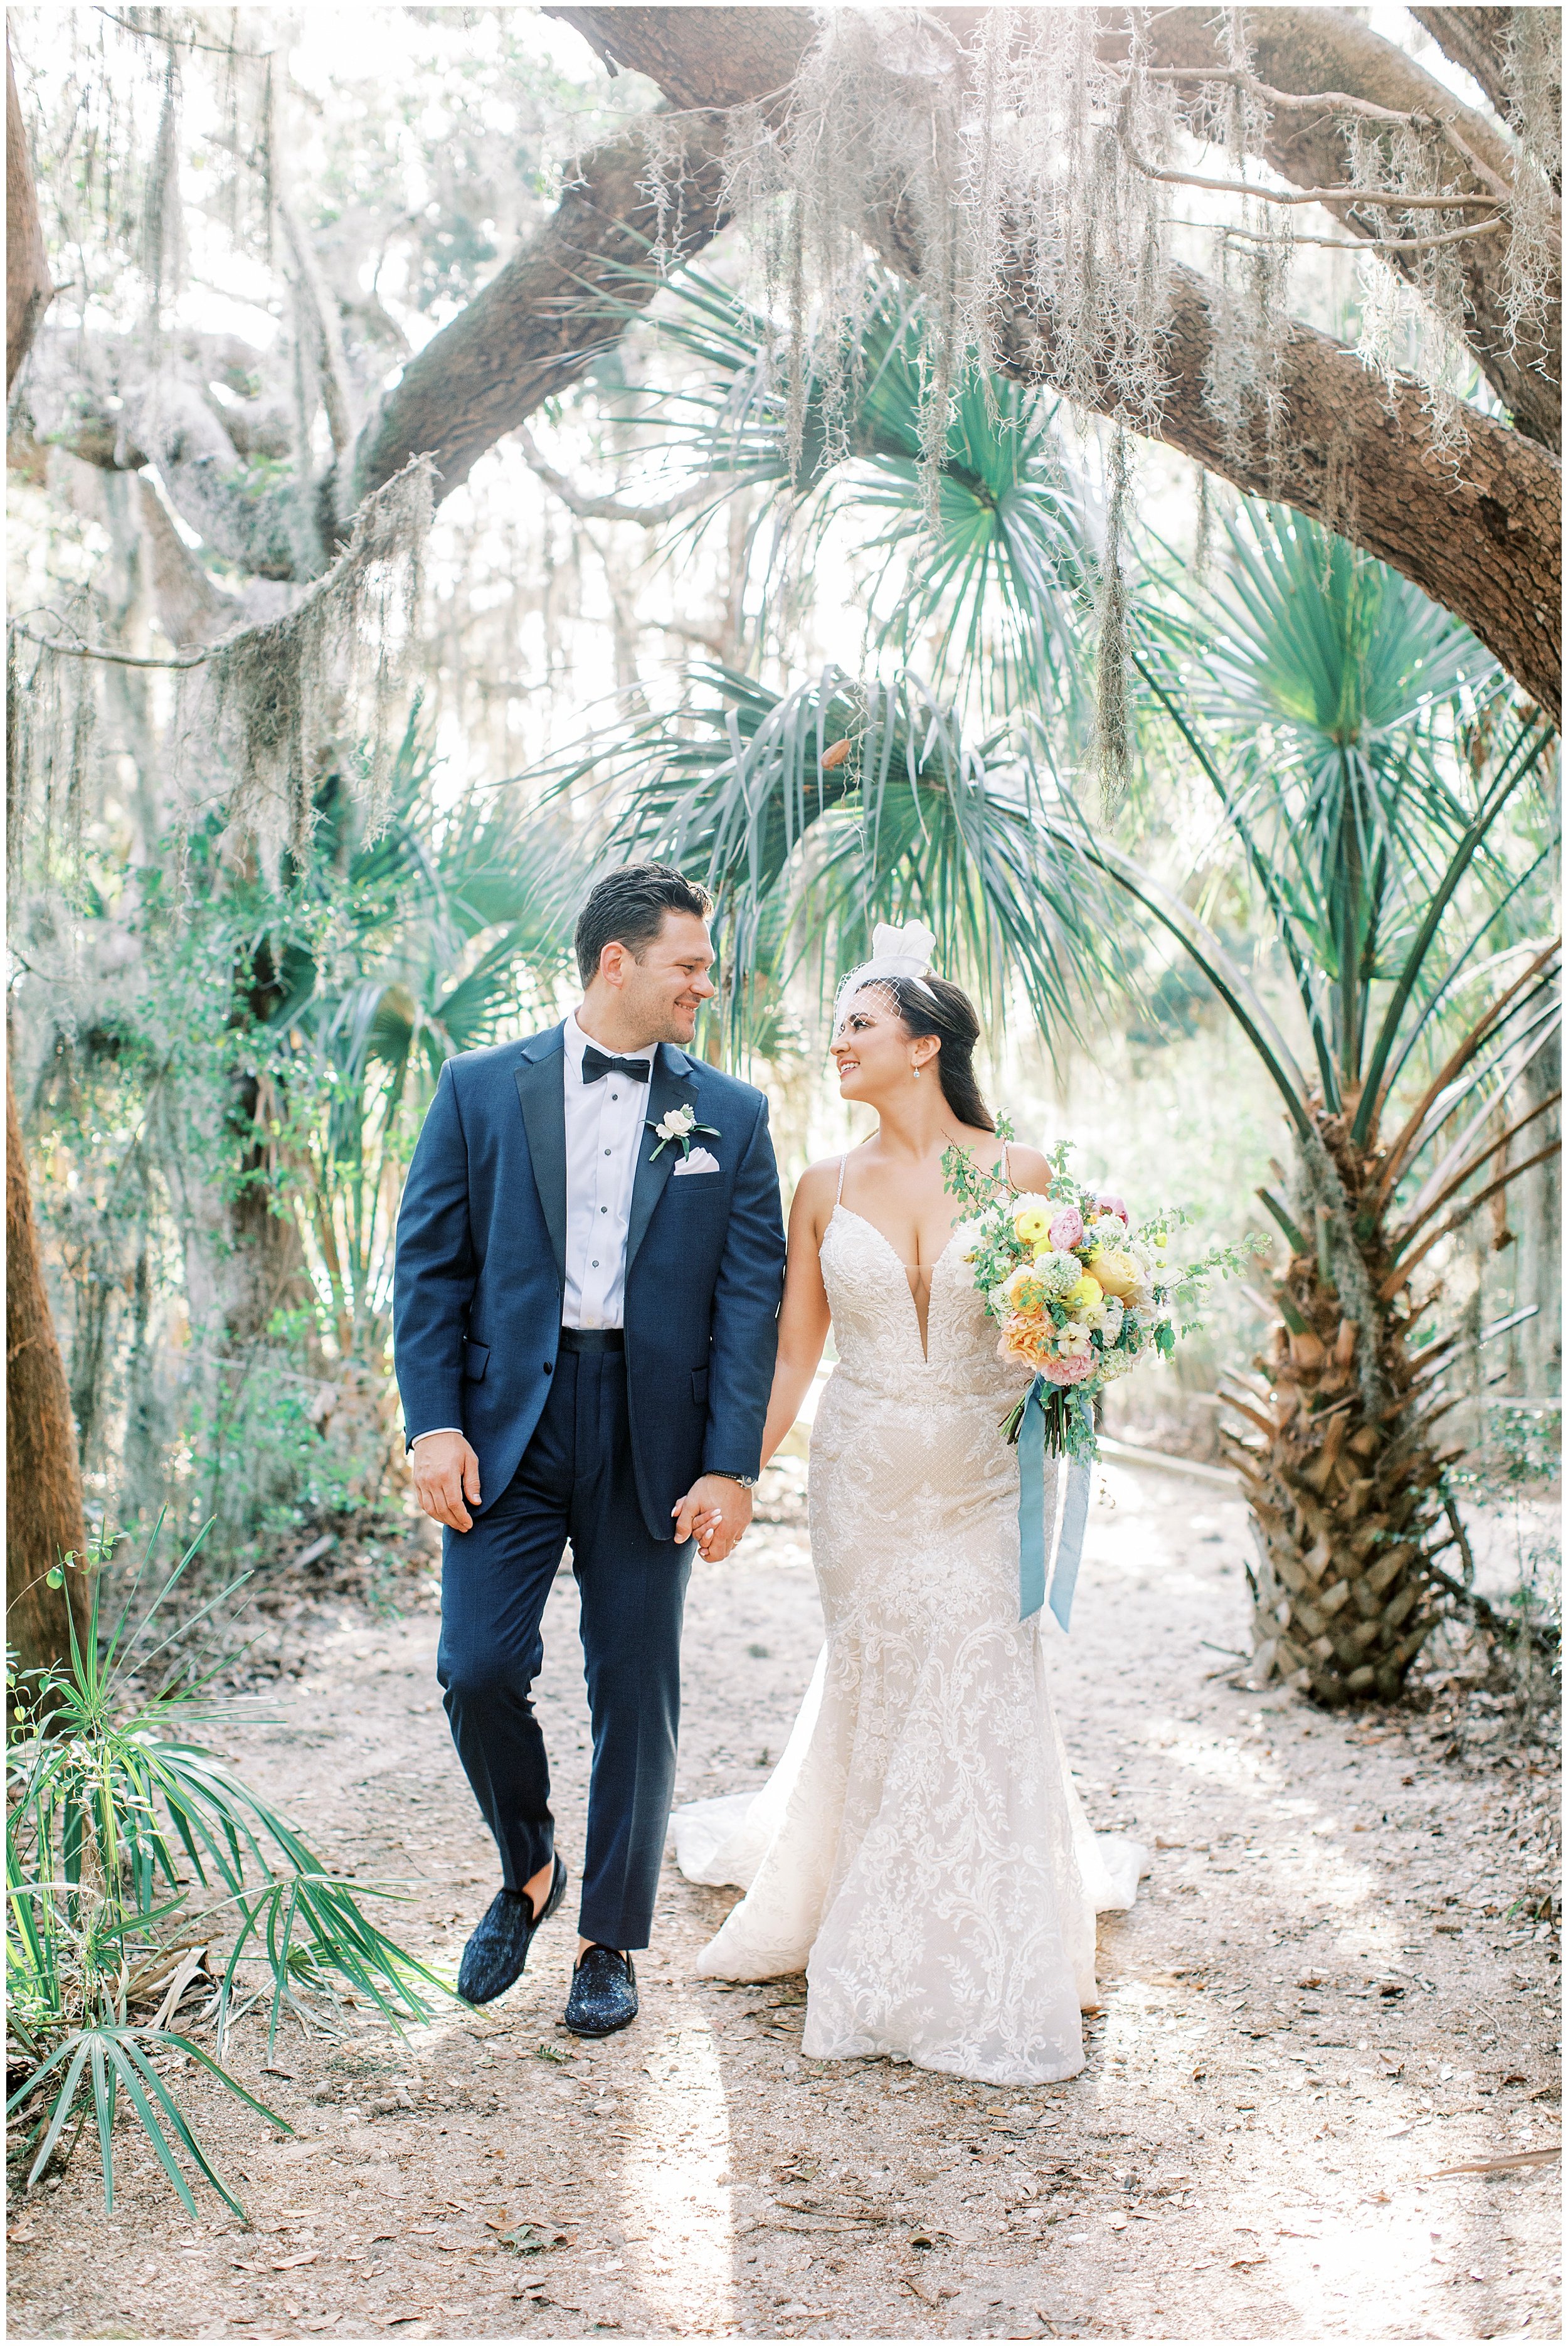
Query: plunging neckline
[[882, 1237]]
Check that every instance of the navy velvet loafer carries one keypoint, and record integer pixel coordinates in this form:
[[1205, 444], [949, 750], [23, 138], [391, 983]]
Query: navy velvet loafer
[[497, 1951], [604, 1992]]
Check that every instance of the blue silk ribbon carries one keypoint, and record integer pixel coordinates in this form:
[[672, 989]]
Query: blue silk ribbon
[[1032, 1506], [1074, 1516], [1070, 1539]]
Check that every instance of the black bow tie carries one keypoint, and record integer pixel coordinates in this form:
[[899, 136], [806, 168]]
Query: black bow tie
[[597, 1062]]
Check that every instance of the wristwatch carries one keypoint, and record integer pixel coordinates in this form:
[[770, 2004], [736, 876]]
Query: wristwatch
[[746, 1481]]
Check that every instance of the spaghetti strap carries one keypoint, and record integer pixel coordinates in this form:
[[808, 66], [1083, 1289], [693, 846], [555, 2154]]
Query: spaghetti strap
[[1006, 1166], [842, 1162]]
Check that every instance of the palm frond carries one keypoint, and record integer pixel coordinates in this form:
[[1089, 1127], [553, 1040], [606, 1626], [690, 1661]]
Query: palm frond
[[814, 813]]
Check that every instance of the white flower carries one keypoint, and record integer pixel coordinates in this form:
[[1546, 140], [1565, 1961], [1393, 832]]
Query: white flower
[[1107, 1229], [1111, 1319], [1058, 1273], [677, 1123]]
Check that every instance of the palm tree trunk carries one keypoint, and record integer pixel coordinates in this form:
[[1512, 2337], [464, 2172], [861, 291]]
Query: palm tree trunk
[[1339, 1464], [44, 1515]]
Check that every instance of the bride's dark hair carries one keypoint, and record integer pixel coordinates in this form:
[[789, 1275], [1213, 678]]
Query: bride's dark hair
[[950, 1017]]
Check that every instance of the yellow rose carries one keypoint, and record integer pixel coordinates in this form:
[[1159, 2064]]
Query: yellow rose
[[1086, 1297], [1116, 1272], [1031, 1225], [1024, 1291]]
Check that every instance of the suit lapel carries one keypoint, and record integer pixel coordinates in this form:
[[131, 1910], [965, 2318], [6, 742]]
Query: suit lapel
[[541, 1080], [671, 1084]]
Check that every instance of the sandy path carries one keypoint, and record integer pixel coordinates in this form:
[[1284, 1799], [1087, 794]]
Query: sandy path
[[1320, 1998]]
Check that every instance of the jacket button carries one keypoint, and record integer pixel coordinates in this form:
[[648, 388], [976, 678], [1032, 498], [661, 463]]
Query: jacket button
[[549, 1365]]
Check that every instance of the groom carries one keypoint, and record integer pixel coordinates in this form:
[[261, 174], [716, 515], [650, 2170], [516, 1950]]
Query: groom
[[585, 1318]]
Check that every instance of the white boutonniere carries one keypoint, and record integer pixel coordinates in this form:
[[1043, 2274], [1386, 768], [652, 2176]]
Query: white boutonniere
[[678, 1123]]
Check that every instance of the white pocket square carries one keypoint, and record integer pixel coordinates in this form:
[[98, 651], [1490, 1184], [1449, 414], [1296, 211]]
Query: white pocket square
[[702, 1160]]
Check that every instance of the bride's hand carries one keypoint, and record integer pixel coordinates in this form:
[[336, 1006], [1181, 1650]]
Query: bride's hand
[[716, 1512]]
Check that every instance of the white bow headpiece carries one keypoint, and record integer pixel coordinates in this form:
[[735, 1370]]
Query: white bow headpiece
[[895, 953]]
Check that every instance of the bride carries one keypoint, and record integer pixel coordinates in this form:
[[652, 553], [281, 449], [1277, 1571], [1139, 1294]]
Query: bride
[[920, 1850]]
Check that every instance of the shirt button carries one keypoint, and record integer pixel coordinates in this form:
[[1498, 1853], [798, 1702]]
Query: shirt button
[[604, 1210], [595, 1264], [549, 1368], [609, 1152]]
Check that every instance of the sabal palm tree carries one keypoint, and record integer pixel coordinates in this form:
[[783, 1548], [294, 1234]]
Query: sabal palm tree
[[1363, 752]]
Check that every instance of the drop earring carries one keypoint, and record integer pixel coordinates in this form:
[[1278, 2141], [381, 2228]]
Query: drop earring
[[916, 1073]]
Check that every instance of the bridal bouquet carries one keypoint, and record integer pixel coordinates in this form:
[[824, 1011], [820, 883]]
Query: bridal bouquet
[[1081, 1293]]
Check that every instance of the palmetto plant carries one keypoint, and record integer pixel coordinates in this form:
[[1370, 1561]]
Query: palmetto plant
[[811, 813], [105, 1807], [1363, 752], [987, 585], [393, 953]]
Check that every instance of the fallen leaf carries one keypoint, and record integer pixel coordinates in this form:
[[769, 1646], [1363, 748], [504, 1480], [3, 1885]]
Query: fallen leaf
[[287, 2264], [21, 2232], [1542, 2158], [1237, 2263]]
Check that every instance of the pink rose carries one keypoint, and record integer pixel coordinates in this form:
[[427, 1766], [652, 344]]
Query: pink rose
[[1115, 1206], [1068, 1368], [1066, 1230]]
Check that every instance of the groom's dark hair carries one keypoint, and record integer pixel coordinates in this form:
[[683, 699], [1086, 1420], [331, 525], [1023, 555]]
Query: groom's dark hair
[[627, 908]]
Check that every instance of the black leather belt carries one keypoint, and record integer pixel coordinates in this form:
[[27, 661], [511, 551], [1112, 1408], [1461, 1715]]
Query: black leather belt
[[592, 1339]]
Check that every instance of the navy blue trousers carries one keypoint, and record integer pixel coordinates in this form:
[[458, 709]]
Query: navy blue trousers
[[576, 1483]]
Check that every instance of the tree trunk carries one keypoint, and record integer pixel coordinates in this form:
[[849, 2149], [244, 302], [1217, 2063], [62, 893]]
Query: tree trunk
[[1303, 50], [1480, 531], [44, 1485], [45, 1488], [1478, 528], [1340, 1468], [1538, 1214], [29, 288], [1476, 40], [542, 319]]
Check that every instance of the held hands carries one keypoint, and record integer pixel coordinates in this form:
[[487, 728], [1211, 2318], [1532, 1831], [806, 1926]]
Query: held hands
[[445, 1474], [715, 1511]]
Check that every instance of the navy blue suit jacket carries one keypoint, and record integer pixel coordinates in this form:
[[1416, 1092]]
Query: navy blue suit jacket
[[482, 1255]]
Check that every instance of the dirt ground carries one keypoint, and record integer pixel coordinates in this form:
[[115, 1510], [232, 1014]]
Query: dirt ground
[[1334, 1984]]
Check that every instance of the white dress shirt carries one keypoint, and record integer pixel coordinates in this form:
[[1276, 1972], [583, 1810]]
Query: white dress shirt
[[603, 1126]]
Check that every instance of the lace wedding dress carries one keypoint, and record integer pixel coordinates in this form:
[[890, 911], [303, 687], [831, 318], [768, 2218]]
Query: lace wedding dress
[[920, 1850]]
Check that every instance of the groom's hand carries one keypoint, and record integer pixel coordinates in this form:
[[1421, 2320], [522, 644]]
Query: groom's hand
[[445, 1474], [718, 1511]]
